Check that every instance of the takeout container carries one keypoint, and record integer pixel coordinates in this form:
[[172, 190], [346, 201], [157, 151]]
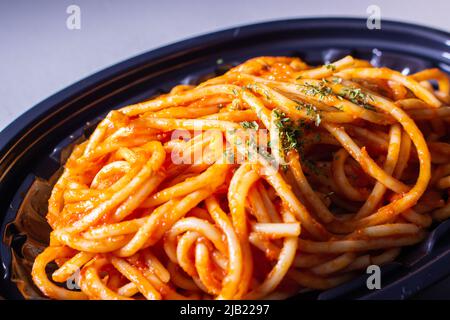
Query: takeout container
[[33, 147]]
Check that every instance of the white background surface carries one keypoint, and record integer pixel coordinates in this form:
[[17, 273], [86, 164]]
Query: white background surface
[[40, 56]]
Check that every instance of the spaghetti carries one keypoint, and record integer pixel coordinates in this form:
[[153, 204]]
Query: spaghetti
[[272, 178]]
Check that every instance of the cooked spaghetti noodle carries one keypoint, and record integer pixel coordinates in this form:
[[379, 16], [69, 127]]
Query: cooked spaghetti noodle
[[355, 165]]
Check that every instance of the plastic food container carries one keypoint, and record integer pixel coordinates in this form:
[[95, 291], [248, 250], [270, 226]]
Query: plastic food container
[[33, 147]]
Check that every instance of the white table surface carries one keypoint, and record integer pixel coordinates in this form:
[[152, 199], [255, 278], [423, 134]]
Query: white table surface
[[39, 55]]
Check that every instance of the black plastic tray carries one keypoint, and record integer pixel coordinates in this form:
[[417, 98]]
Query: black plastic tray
[[29, 147]]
